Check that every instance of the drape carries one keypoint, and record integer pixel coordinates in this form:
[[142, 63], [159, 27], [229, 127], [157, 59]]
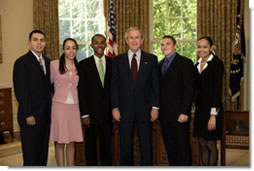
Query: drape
[[217, 19], [130, 13], [45, 18]]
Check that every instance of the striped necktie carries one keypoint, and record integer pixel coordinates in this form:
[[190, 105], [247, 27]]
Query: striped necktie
[[40, 61]]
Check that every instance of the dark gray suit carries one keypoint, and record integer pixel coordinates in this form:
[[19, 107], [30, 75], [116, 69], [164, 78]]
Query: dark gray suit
[[32, 89], [135, 103]]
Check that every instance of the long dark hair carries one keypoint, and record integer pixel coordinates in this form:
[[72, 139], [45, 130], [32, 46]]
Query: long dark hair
[[62, 67]]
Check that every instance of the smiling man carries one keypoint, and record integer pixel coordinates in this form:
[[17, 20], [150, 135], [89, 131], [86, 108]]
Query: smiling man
[[31, 79], [176, 75], [135, 97], [94, 101]]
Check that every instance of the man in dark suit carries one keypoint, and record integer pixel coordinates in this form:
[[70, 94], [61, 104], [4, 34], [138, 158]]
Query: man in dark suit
[[176, 75], [135, 97], [94, 101], [31, 79]]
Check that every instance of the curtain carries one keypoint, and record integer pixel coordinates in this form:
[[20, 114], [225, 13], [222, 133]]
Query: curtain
[[130, 13], [45, 18], [217, 19]]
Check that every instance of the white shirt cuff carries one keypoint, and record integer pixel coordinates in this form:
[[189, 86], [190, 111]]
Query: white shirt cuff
[[214, 111], [84, 116], [154, 107]]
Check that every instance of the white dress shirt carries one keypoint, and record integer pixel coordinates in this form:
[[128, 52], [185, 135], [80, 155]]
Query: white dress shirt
[[42, 61], [69, 99], [96, 59], [138, 57]]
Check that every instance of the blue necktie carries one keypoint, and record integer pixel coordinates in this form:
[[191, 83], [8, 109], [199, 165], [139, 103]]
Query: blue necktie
[[165, 66]]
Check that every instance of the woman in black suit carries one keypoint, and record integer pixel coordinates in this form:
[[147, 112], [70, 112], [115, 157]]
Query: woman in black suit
[[209, 110]]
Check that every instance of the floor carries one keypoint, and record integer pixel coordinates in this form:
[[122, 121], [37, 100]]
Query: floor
[[11, 154]]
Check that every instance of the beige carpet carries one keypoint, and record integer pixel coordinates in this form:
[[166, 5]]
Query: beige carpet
[[11, 155]]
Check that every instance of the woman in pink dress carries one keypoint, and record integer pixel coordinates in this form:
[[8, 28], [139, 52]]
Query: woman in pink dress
[[66, 126]]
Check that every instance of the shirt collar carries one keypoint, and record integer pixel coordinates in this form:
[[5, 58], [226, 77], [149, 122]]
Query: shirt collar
[[209, 59], [171, 56], [37, 57], [96, 58], [138, 53]]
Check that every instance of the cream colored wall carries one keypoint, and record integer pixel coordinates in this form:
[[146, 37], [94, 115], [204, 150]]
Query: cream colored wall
[[17, 23]]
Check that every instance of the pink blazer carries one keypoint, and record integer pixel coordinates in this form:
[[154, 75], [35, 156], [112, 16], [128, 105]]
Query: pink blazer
[[63, 83]]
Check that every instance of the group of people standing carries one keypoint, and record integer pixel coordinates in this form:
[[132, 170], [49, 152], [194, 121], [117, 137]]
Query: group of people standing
[[132, 89]]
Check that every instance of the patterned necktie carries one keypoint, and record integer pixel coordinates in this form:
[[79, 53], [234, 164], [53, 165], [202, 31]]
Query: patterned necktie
[[165, 67], [101, 72], [41, 65], [134, 68]]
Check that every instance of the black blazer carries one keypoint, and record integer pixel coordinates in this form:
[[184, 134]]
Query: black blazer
[[176, 89], [93, 98], [209, 86], [135, 100], [32, 89]]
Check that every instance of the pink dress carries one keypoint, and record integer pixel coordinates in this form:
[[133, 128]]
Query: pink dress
[[66, 124]]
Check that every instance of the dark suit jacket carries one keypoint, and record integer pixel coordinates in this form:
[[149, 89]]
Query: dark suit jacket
[[209, 94], [32, 89], [177, 89], [135, 100], [93, 98], [209, 85]]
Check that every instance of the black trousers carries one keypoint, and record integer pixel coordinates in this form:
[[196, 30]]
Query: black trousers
[[104, 133], [35, 140], [126, 130], [176, 137]]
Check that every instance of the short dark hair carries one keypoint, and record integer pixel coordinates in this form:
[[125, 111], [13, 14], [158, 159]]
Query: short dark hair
[[209, 39], [170, 37], [36, 31], [96, 36]]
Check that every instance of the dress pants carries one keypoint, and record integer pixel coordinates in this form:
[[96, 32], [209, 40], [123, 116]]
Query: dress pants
[[176, 137], [126, 130], [104, 133], [35, 140]]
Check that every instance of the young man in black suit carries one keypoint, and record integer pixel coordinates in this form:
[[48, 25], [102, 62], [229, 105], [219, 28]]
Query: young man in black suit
[[176, 75], [31, 79], [94, 101], [135, 97]]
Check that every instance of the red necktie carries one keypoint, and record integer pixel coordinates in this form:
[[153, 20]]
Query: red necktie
[[134, 68]]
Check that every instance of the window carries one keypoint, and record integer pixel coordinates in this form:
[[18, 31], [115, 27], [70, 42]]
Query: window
[[177, 18], [80, 19]]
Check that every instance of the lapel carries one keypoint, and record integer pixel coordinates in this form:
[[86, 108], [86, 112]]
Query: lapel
[[143, 62], [36, 63], [47, 64], [126, 66], [173, 64], [210, 65], [107, 74], [95, 70], [72, 77], [196, 69]]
